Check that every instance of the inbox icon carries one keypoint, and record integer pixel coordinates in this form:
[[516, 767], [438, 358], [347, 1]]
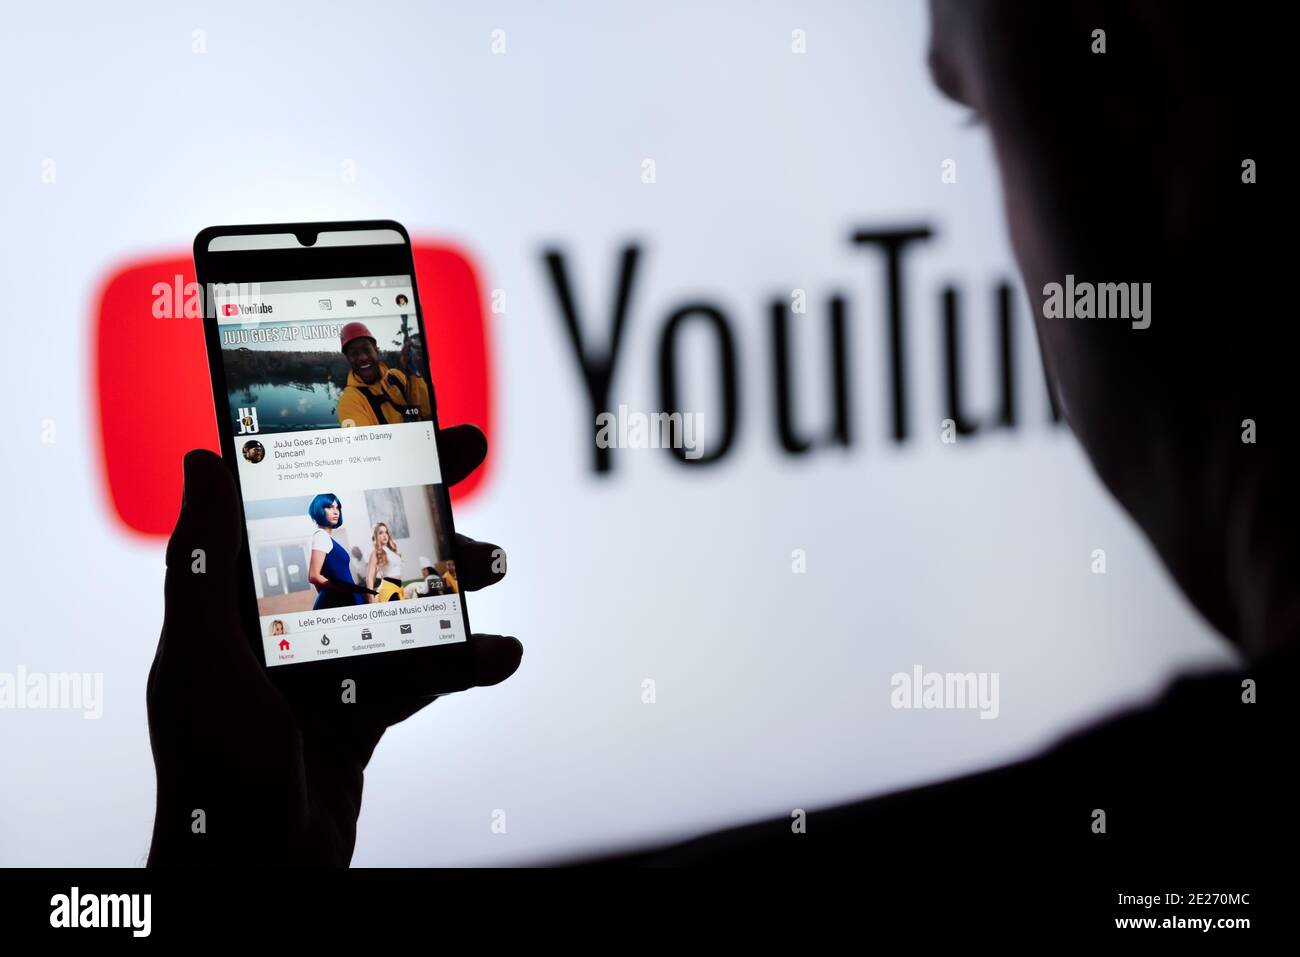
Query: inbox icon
[[404, 629]]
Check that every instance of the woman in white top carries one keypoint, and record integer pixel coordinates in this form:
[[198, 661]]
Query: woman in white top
[[385, 561]]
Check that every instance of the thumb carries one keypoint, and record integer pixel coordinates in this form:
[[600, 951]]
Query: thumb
[[200, 593]]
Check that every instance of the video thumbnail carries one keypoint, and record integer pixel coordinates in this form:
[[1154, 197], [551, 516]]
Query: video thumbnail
[[333, 549], [295, 376]]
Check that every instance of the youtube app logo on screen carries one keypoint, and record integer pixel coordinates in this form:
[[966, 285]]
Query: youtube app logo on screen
[[152, 384]]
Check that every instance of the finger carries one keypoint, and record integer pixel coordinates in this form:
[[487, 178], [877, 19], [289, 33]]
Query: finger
[[478, 564], [496, 658], [492, 660], [200, 594], [461, 449]]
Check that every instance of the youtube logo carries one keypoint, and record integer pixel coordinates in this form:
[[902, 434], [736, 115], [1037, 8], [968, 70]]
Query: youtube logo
[[154, 399]]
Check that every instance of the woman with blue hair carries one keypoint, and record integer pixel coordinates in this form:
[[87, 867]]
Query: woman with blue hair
[[329, 570]]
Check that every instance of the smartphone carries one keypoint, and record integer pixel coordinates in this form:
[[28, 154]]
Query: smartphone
[[328, 421]]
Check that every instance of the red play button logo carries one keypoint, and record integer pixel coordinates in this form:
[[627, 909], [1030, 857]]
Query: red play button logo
[[151, 374]]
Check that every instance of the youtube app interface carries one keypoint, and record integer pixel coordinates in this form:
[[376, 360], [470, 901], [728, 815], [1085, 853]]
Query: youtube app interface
[[338, 463]]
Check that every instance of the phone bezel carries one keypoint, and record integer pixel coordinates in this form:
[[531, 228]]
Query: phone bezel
[[416, 670]]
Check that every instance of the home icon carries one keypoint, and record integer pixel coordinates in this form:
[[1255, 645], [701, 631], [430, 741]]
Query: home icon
[[284, 644]]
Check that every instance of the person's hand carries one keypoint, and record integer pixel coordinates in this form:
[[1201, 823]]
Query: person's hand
[[246, 776]]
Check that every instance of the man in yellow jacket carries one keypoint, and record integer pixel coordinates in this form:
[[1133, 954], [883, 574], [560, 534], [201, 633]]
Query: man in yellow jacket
[[376, 394]]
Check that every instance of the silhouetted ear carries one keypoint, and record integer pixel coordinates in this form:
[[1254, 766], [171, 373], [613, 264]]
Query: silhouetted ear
[[462, 449]]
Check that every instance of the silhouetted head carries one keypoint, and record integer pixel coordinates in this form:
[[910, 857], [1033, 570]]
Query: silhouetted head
[[1123, 155]]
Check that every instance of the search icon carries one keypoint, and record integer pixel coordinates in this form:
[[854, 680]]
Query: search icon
[[375, 301]]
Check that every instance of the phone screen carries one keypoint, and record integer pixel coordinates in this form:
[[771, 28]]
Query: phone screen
[[348, 519]]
